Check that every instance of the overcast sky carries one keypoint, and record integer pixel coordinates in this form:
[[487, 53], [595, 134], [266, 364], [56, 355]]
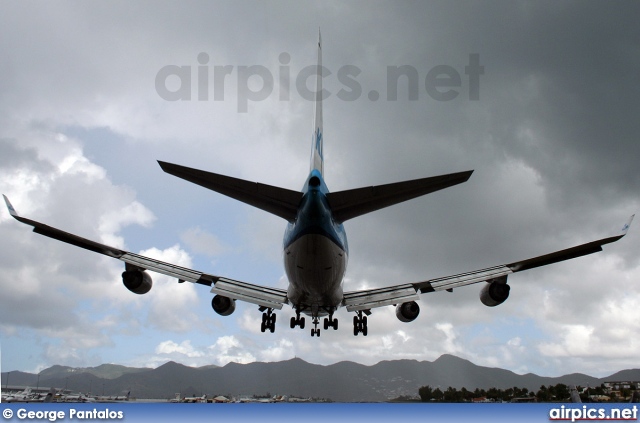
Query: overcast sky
[[552, 136]]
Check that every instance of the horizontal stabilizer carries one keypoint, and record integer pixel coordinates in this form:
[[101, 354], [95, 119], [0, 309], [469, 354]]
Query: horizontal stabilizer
[[352, 203], [279, 201]]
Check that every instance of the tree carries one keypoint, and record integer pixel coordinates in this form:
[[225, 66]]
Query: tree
[[561, 392], [543, 394], [426, 393], [451, 395]]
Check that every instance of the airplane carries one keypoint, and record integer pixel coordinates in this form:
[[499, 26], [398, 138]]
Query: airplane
[[24, 396], [574, 395], [202, 398], [79, 397], [315, 247]]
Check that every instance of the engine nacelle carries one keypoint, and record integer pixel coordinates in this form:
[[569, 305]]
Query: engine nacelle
[[494, 293], [224, 306], [137, 281], [407, 312]]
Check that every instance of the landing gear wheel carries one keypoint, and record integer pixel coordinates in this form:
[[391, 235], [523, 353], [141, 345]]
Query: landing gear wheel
[[315, 331], [326, 323], [268, 320], [297, 321], [359, 324]]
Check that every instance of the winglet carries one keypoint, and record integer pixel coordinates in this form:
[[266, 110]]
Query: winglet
[[624, 230], [13, 211]]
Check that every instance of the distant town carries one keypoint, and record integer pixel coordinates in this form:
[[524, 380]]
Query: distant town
[[607, 392], [447, 379], [618, 391]]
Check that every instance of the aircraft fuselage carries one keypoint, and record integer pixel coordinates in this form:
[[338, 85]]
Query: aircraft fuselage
[[315, 253]]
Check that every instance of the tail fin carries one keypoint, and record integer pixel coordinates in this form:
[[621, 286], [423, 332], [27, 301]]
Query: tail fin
[[317, 158]]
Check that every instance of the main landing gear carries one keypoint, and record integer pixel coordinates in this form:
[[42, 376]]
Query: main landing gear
[[268, 320], [297, 321], [360, 324], [330, 322]]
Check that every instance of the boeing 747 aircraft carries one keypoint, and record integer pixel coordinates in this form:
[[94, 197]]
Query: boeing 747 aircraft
[[315, 247]]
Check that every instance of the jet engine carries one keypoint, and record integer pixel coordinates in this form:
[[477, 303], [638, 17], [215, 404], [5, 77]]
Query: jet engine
[[407, 312], [137, 281], [494, 293], [224, 306]]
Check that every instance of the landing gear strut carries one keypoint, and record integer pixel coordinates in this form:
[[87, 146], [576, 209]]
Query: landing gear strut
[[315, 331], [268, 320], [360, 324], [330, 322], [297, 321]]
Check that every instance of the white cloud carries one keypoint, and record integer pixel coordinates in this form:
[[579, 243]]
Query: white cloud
[[229, 349], [171, 303], [184, 348], [202, 242], [282, 349], [112, 222]]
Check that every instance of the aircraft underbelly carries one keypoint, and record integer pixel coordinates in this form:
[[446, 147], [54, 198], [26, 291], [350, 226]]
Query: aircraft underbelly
[[315, 266]]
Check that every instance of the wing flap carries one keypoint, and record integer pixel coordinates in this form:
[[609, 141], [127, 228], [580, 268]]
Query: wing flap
[[351, 203], [462, 279], [372, 298], [256, 294], [279, 201], [178, 272]]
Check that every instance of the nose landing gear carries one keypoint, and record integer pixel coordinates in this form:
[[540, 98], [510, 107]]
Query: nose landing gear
[[315, 331]]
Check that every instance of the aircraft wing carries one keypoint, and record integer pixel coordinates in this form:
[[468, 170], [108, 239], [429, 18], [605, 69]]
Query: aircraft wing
[[256, 294], [398, 294]]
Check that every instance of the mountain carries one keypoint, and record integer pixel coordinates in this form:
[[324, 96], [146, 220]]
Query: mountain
[[344, 381], [104, 371]]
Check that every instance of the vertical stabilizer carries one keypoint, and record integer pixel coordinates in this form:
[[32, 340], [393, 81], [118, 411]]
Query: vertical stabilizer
[[317, 158]]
